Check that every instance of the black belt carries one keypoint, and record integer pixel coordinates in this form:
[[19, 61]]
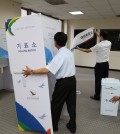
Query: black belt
[[64, 78], [102, 62]]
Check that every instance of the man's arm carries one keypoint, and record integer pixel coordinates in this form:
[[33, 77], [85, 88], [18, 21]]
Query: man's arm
[[28, 71], [97, 34], [84, 50], [53, 67], [40, 71]]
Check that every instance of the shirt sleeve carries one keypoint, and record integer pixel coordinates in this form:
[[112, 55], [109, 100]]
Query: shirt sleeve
[[95, 48], [55, 64]]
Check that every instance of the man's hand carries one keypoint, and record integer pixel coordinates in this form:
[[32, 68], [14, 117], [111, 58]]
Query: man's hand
[[27, 71], [77, 47], [94, 30], [115, 99], [84, 50]]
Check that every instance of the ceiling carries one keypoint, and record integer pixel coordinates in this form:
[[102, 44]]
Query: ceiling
[[92, 9]]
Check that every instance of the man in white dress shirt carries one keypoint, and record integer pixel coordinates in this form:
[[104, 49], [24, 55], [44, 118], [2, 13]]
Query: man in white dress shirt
[[63, 67], [102, 52]]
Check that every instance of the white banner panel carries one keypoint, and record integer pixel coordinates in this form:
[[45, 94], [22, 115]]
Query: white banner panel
[[26, 47], [50, 27], [82, 37]]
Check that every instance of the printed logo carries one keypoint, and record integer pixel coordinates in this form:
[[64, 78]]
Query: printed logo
[[19, 81], [33, 96], [9, 24], [32, 93], [43, 117], [109, 100], [42, 85]]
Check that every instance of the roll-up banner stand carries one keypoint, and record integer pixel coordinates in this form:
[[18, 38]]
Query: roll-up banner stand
[[25, 44]]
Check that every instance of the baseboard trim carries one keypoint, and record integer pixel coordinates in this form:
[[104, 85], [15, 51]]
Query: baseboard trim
[[116, 70], [84, 67], [93, 68]]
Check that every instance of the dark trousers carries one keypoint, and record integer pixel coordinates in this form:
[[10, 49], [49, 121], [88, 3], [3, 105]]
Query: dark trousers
[[65, 91], [101, 71]]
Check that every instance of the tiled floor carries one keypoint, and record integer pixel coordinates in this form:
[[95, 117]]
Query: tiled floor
[[89, 120]]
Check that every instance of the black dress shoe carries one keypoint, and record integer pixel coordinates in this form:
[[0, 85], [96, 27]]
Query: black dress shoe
[[95, 98], [70, 128]]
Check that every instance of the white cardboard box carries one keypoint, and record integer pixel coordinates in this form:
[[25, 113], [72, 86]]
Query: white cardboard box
[[110, 88]]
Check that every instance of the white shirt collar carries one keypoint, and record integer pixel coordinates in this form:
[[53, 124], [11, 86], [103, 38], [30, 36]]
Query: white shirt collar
[[61, 49]]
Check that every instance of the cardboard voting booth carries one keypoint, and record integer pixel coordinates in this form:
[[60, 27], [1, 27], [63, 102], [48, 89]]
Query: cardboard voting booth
[[5, 76], [110, 88], [3, 55], [26, 47], [3, 44]]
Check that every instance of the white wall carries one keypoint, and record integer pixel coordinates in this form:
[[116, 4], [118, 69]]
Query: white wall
[[8, 9], [83, 59]]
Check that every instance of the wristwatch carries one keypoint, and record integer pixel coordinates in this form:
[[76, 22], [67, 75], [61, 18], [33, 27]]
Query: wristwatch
[[31, 72]]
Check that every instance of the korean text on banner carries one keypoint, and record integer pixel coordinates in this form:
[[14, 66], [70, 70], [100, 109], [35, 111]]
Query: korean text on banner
[[82, 37]]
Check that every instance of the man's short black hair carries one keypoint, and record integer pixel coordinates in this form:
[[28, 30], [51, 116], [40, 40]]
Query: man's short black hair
[[60, 38], [104, 34]]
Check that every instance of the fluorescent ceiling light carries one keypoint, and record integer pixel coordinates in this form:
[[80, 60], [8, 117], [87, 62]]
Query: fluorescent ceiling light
[[76, 13]]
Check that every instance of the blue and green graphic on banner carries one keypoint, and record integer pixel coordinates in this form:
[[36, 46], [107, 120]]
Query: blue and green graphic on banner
[[27, 122]]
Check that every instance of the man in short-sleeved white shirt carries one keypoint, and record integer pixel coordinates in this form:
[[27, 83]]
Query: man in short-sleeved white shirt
[[63, 67], [102, 52]]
